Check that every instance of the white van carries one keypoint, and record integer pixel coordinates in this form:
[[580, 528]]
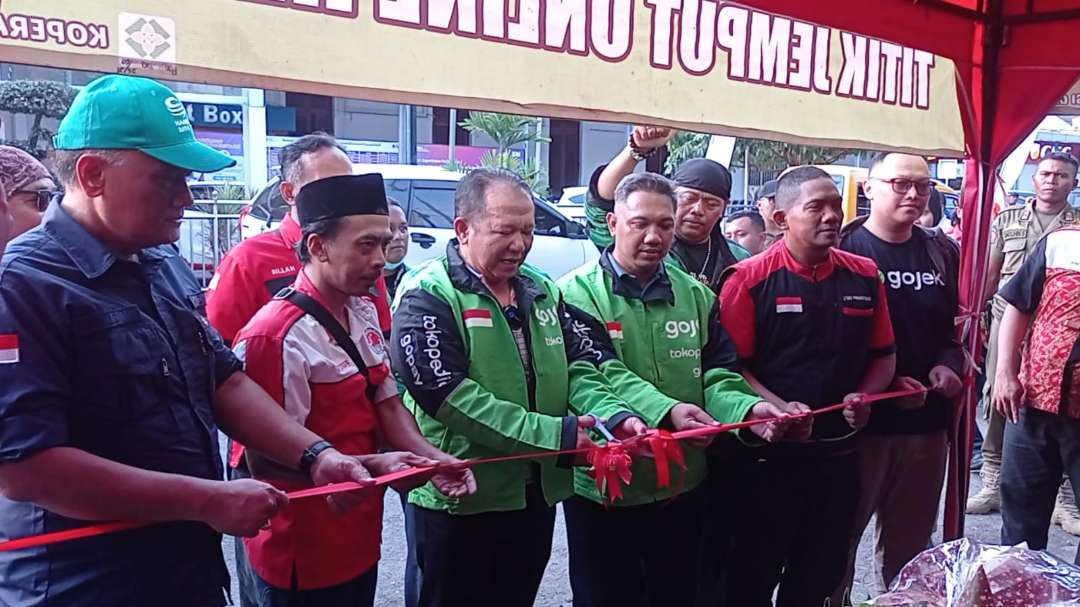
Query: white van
[[427, 195]]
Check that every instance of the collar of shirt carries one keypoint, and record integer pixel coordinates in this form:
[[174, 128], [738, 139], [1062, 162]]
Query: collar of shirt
[[290, 231], [304, 285], [814, 273], [89, 254], [624, 284], [465, 278]]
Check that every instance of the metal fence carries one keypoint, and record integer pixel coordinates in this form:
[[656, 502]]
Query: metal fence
[[209, 230]]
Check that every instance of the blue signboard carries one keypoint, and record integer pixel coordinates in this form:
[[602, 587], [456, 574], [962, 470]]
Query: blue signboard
[[231, 116]]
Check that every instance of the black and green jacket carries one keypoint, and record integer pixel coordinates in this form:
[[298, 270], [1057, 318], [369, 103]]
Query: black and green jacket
[[455, 352], [727, 253], [670, 349]]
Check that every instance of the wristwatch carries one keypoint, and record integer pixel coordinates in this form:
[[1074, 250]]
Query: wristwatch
[[307, 458]]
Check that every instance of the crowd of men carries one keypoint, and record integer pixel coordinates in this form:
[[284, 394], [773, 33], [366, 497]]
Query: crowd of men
[[324, 359]]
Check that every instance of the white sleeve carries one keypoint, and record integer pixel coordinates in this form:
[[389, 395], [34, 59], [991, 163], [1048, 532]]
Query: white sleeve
[[296, 373]]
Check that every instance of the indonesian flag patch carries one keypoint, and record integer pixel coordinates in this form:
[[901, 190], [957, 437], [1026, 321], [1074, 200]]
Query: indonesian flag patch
[[9, 349], [614, 330], [477, 317], [788, 304]]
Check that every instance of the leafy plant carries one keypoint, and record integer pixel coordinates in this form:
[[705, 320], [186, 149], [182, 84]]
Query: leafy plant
[[777, 155], [455, 165], [508, 131], [764, 154], [40, 99], [684, 146]]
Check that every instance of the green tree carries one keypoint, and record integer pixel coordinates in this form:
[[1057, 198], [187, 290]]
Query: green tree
[[777, 155], [39, 99], [508, 131], [684, 146], [764, 154]]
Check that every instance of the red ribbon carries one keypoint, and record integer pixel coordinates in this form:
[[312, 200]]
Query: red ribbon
[[666, 451], [611, 460], [610, 467]]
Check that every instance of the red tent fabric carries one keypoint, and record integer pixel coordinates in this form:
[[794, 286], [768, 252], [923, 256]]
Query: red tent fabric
[[1014, 60]]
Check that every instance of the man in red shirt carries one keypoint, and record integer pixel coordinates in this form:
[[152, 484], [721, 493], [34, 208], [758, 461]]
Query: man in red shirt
[[1039, 392], [253, 271], [318, 351], [257, 268], [811, 326]]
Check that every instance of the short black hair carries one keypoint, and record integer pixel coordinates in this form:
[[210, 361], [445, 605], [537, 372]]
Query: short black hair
[[754, 217], [644, 182], [292, 154], [469, 196], [1065, 157], [936, 204], [326, 229], [789, 184]]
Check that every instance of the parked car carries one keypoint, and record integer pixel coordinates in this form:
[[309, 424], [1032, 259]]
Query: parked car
[[572, 203], [427, 195]]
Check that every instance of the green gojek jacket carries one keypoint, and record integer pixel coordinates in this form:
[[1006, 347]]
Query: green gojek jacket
[[454, 350], [670, 349], [725, 252]]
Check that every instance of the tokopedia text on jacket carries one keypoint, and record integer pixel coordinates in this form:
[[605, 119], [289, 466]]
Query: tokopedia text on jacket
[[454, 350]]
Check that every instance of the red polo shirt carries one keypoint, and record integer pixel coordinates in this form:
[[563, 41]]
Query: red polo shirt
[[296, 361], [254, 271], [248, 278]]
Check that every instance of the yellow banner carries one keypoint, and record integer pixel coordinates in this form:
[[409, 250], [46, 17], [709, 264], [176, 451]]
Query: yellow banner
[[701, 65]]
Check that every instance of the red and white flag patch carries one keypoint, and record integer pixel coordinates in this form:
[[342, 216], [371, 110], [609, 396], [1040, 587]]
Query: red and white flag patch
[[477, 317], [614, 330], [9, 349], [788, 304]]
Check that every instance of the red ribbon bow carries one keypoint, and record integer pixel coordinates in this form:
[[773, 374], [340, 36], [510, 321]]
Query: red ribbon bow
[[666, 450], [610, 466]]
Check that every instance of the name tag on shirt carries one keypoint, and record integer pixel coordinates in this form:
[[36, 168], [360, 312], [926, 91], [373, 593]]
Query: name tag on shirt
[[788, 305]]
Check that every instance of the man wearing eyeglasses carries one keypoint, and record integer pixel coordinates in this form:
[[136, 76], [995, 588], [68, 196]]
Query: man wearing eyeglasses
[[28, 187], [1013, 236], [703, 188], [902, 450]]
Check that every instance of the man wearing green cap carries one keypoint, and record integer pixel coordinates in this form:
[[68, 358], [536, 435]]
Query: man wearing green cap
[[114, 384]]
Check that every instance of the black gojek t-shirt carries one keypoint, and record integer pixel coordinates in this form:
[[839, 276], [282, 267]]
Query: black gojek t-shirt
[[921, 320]]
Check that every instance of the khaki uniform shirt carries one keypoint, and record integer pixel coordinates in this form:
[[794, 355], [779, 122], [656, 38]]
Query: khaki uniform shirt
[[1013, 236]]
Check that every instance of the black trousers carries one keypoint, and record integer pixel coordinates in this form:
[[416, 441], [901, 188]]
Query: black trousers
[[494, 559], [1039, 449], [723, 496], [635, 556], [795, 524]]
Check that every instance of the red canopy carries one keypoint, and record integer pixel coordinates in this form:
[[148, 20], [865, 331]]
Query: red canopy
[[1014, 60]]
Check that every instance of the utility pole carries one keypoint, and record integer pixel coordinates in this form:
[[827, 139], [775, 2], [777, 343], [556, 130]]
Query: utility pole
[[406, 134]]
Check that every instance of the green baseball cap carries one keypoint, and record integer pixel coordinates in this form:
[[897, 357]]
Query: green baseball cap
[[130, 113]]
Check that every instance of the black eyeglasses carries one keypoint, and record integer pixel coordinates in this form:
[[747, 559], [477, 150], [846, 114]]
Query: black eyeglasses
[[41, 197], [903, 186]]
